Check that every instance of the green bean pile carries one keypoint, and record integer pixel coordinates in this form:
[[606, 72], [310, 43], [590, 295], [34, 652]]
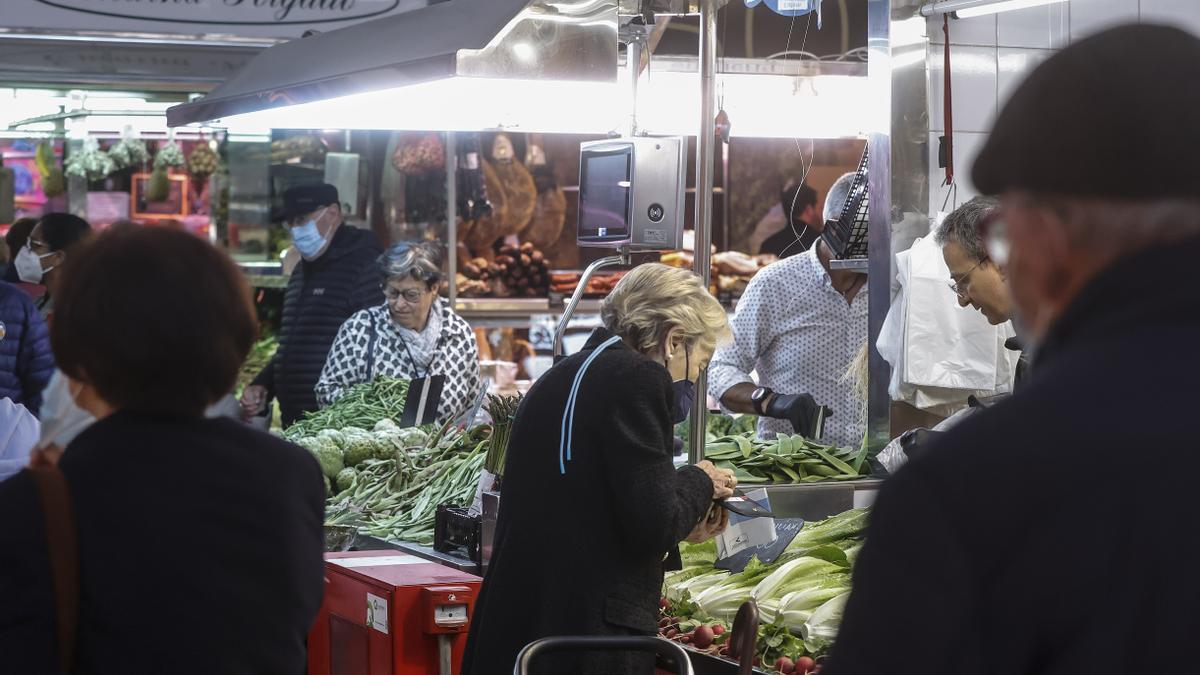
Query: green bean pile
[[362, 406], [785, 459], [397, 499]]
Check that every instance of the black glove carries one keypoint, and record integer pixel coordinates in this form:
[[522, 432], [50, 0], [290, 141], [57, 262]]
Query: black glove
[[799, 409], [915, 442]]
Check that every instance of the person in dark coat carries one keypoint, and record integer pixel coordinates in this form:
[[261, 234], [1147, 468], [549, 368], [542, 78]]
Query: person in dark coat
[[592, 504], [336, 278], [55, 238], [804, 222], [199, 541], [1051, 532], [26, 363]]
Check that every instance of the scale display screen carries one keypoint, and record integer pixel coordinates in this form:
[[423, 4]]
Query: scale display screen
[[604, 194]]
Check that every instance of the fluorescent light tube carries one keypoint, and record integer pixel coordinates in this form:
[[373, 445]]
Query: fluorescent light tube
[[966, 9]]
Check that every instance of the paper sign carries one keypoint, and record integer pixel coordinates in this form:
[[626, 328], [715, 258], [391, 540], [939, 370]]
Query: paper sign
[[376, 561], [377, 613], [747, 532]]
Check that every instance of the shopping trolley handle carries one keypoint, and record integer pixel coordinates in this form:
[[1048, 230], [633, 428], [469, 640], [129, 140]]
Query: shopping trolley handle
[[605, 643]]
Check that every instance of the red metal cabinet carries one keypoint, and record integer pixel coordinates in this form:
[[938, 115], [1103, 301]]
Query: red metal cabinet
[[388, 613]]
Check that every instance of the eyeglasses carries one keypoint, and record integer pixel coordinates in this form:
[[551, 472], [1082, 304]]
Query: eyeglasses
[[411, 295], [962, 285]]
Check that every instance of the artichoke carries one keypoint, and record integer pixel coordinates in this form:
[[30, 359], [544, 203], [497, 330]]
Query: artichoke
[[331, 460], [333, 435], [346, 478], [385, 424], [413, 437], [359, 449]]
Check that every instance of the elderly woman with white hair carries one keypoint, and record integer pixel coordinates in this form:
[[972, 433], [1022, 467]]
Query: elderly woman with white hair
[[593, 507], [414, 333]]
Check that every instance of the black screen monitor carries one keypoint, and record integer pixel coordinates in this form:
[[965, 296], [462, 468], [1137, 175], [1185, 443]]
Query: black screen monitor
[[604, 194]]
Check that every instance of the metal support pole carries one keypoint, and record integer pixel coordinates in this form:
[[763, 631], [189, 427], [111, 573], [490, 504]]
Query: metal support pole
[[569, 311], [452, 215], [704, 188], [633, 64]]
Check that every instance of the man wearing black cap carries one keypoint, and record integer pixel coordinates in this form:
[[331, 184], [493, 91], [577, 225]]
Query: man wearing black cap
[[1052, 533], [336, 278]]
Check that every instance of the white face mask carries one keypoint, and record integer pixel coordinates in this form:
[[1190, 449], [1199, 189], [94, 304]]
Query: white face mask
[[29, 265]]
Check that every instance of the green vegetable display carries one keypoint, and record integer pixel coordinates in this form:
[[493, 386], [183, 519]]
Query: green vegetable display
[[503, 410], [718, 425], [785, 459], [397, 498], [800, 596], [362, 406]]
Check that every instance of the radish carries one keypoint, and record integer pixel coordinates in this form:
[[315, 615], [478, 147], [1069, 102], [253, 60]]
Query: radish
[[664, 603], [664, 622], [670, 634], [804, 665], [718, 629], [685, 638], [784, 665], [702, 637]]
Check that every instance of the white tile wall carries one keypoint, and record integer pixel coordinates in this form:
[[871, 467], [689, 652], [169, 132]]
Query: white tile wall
[[1182, 13], [991, 55], [966, 147], [973, 82], [979, 31], [1092, 16], [1045, 27], [1013, 66]]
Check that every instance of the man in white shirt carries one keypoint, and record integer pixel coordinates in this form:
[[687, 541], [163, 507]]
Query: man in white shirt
[[799, 325]]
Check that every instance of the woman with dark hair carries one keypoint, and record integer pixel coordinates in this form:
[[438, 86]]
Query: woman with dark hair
[[55, 235], [14, 241], [414, 333], [158, 505]]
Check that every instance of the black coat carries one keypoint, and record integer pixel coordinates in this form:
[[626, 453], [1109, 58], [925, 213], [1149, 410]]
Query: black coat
[[582, 553], [200, 545], [1053, 533], [321, 295]]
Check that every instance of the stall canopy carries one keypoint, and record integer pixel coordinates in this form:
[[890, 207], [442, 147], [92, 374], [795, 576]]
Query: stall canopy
[[451, 46]]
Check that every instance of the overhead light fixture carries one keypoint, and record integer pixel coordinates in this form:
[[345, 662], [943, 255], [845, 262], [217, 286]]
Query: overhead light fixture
[[966, 9], [760, 106]]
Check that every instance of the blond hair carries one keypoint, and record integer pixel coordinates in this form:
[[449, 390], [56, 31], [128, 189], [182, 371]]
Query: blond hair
[[653, 299]]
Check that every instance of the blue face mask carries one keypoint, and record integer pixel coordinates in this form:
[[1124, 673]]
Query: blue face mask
[[685, 392], [308, 238]]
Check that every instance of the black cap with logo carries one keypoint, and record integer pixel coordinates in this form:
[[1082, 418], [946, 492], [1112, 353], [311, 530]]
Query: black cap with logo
[[303, 199]]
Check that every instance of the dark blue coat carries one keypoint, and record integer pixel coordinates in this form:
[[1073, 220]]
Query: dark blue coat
[[320, 296], [26, 363]]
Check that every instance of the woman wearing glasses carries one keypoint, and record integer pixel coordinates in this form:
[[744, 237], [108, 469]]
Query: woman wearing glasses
[[52, 239], [414, 333]]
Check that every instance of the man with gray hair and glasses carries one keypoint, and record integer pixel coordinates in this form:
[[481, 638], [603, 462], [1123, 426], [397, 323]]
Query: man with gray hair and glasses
[[1048, 533], [975, 278]]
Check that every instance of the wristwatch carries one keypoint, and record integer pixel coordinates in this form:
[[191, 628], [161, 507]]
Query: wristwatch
[[759, 399]]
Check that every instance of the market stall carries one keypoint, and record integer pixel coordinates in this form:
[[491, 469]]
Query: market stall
[[486, 133]]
